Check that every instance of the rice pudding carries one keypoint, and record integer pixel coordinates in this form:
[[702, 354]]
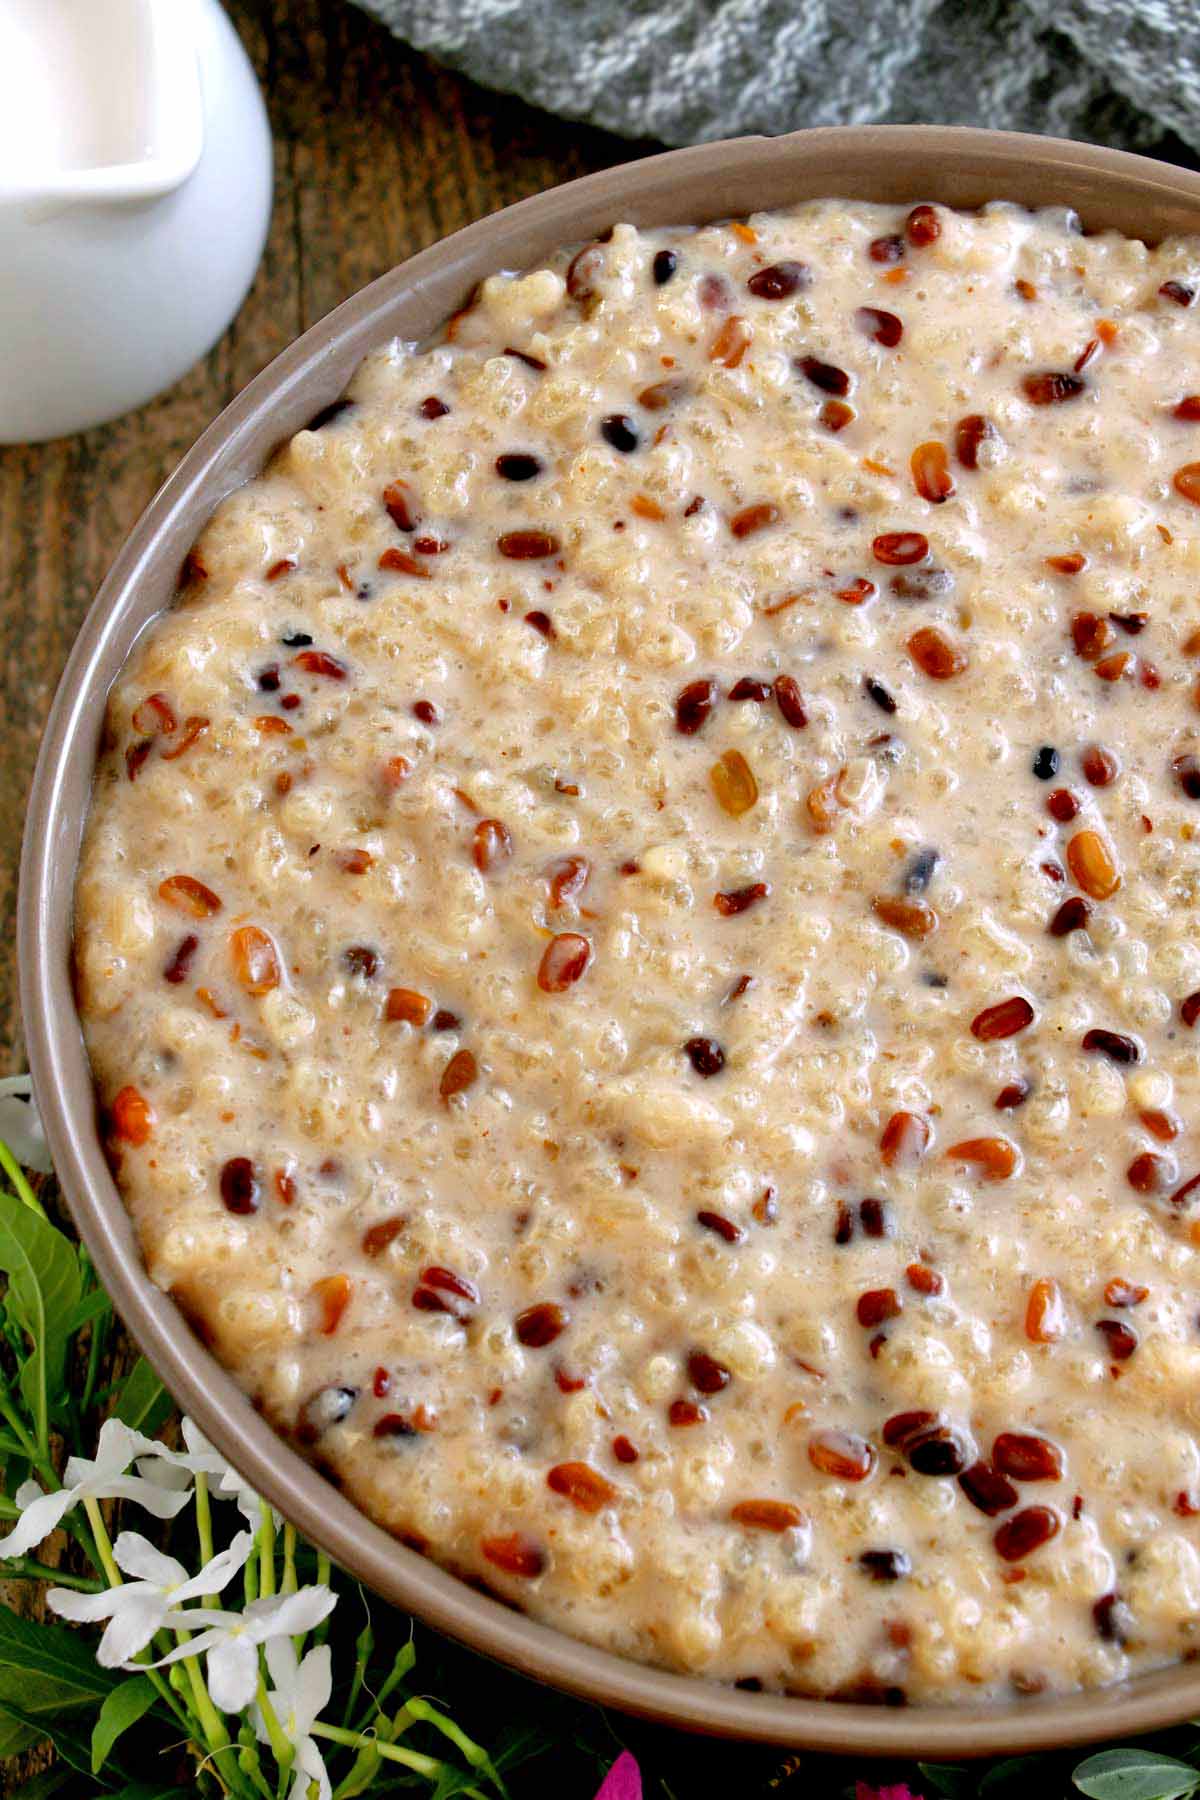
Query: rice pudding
[[636, 940]]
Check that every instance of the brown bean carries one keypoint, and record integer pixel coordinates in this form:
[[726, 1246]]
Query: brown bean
[[1002, 1020], [582, 1485], [1026, 1532], [563, 963], [841, 1454], [1027, 1457]]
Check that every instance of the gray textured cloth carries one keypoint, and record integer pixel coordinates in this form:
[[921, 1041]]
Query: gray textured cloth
[[1116, 71]]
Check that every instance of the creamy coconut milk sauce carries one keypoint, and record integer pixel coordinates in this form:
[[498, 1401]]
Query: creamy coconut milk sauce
[[637, 938]]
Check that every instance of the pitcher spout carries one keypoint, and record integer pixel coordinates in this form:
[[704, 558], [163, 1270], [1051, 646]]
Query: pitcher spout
[[100, 100]]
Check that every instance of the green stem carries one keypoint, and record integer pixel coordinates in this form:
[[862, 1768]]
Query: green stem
[[474, 1753], [204, 1519], [429, 1766], [24, 1192], [281, 1750], [266, 1553], [289, 1583], [96, 1347], [27, 1568]]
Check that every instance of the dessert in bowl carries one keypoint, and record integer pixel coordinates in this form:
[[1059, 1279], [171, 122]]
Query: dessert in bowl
[[632, 934]]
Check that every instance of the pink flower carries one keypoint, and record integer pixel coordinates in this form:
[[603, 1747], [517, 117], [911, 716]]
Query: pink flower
[[899, 1791], [624, 1781]]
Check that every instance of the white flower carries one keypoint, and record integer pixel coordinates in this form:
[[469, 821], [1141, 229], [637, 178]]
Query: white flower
[[200, 1458], [141, 1607], [300, 1691], [21, 1124], [232, 1640], [103, 1478]]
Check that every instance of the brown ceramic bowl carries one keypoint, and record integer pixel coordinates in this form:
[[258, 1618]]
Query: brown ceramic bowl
[[889, 163]]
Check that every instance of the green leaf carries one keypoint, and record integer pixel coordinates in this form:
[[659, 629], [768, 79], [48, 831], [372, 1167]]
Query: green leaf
[[142, 1401], [92, 1306], [15, 1737], [1135, 1775], [70, 1743], [43, 1290], [1001, 1775], [952, 1779], [123, 1708], [49, 1665], [43, 1785]]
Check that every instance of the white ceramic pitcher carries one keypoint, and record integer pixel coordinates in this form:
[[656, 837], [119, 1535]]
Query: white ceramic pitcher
[[135, 191]]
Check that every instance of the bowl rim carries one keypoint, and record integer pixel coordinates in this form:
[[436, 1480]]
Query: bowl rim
[[955, 162]]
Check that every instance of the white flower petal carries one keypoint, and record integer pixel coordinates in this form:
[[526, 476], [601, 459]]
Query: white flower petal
[[157, 1500], [137, 1556], [286, 1615], [233, 1672], [21, 1124], [134, 1623], [219, 1572], [314, 1684], [37, 1521], [197, 1647], [82, 1609], [28, 1492], [280, 1654], [161, 1473], [310, 1766]]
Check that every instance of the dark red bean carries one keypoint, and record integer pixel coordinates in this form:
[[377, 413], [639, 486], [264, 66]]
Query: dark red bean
[[433, 408], [706, 1374], [239, 1184], [939, 1452], [619, 430], [1062, 806], [1178, 291], [1027, 1457], [1114, 1044], [739, 899], [886, 249], [1015, 1094], [528, 546], [360, 959], [1050, 387], [724, 1228], [750, 687], [1150, 1173], [885, 1565], [922, 226], [780, 280], [790, 702], [900, 547], [901, 1428], [686, 1412], [984, 1488], [876, 1306], [1122, 1339], [705, 1055], [1186, 769], [1026, 1532], [1113, 1619], [970, 434], [826, 376], [516, 465], [884, 327], [693, 705], [181, 959], [875, 1218], [1072, 915], [539, 1325], [664, 266], [1189, 1009], [1003, 1020]]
